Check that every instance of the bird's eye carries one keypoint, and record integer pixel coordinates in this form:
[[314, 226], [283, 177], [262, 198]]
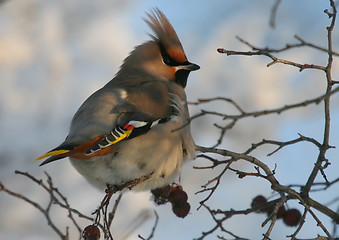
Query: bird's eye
[[167, 59]]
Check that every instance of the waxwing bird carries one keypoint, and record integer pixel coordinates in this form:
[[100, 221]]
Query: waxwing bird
[[136, 125]]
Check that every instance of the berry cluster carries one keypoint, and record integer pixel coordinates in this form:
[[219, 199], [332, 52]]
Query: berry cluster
[[291, 217], [176, 196]]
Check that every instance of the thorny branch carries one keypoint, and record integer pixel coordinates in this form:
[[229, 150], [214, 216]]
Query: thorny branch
[[302, 43], [244, 114], [56, 198], [102, 210], [282, 144], [274, 59], [275, 185], [103, 217], [328, 70], [59, 200], [287, 193]]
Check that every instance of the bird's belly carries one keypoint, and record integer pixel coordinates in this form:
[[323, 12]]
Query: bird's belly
[[159, 153]]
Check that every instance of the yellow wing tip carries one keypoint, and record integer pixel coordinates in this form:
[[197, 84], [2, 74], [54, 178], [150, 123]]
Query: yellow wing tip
[[123, 136], [52, 153]]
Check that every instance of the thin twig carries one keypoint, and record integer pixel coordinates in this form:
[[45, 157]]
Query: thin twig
[[269, 175], [44, 211], [153, 229], [114, 209], [302, 43], [274, 13], [278, 110], [274, 59], [282, 144]]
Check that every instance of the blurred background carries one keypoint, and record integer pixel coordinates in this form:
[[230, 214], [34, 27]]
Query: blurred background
[[54, 54]]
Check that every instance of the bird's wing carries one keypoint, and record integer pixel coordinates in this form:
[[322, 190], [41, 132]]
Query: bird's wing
[[110, 116]]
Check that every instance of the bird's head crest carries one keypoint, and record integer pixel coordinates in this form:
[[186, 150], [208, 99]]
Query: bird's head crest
[[165, 35]]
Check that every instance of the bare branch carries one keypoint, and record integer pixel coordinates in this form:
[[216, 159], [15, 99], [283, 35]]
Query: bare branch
[[244, 114], [282, 144], [274, 59], [153, 229], [302, 43], [114, 209], [269, 175], [44, 211], [305, 43], [325, 145], [208, 100]]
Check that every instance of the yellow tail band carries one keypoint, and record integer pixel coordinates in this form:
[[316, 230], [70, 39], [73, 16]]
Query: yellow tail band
[[53, 153], [62, 151]]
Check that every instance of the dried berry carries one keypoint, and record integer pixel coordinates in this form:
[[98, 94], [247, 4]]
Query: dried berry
[[269, 209], [181, 210], [259, 201], [178, 196], [292, 217], [91, 232], [281, 212], [161, 194]]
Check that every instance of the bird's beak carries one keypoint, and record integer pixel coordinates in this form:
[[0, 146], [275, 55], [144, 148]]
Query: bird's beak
[[188, 67]]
